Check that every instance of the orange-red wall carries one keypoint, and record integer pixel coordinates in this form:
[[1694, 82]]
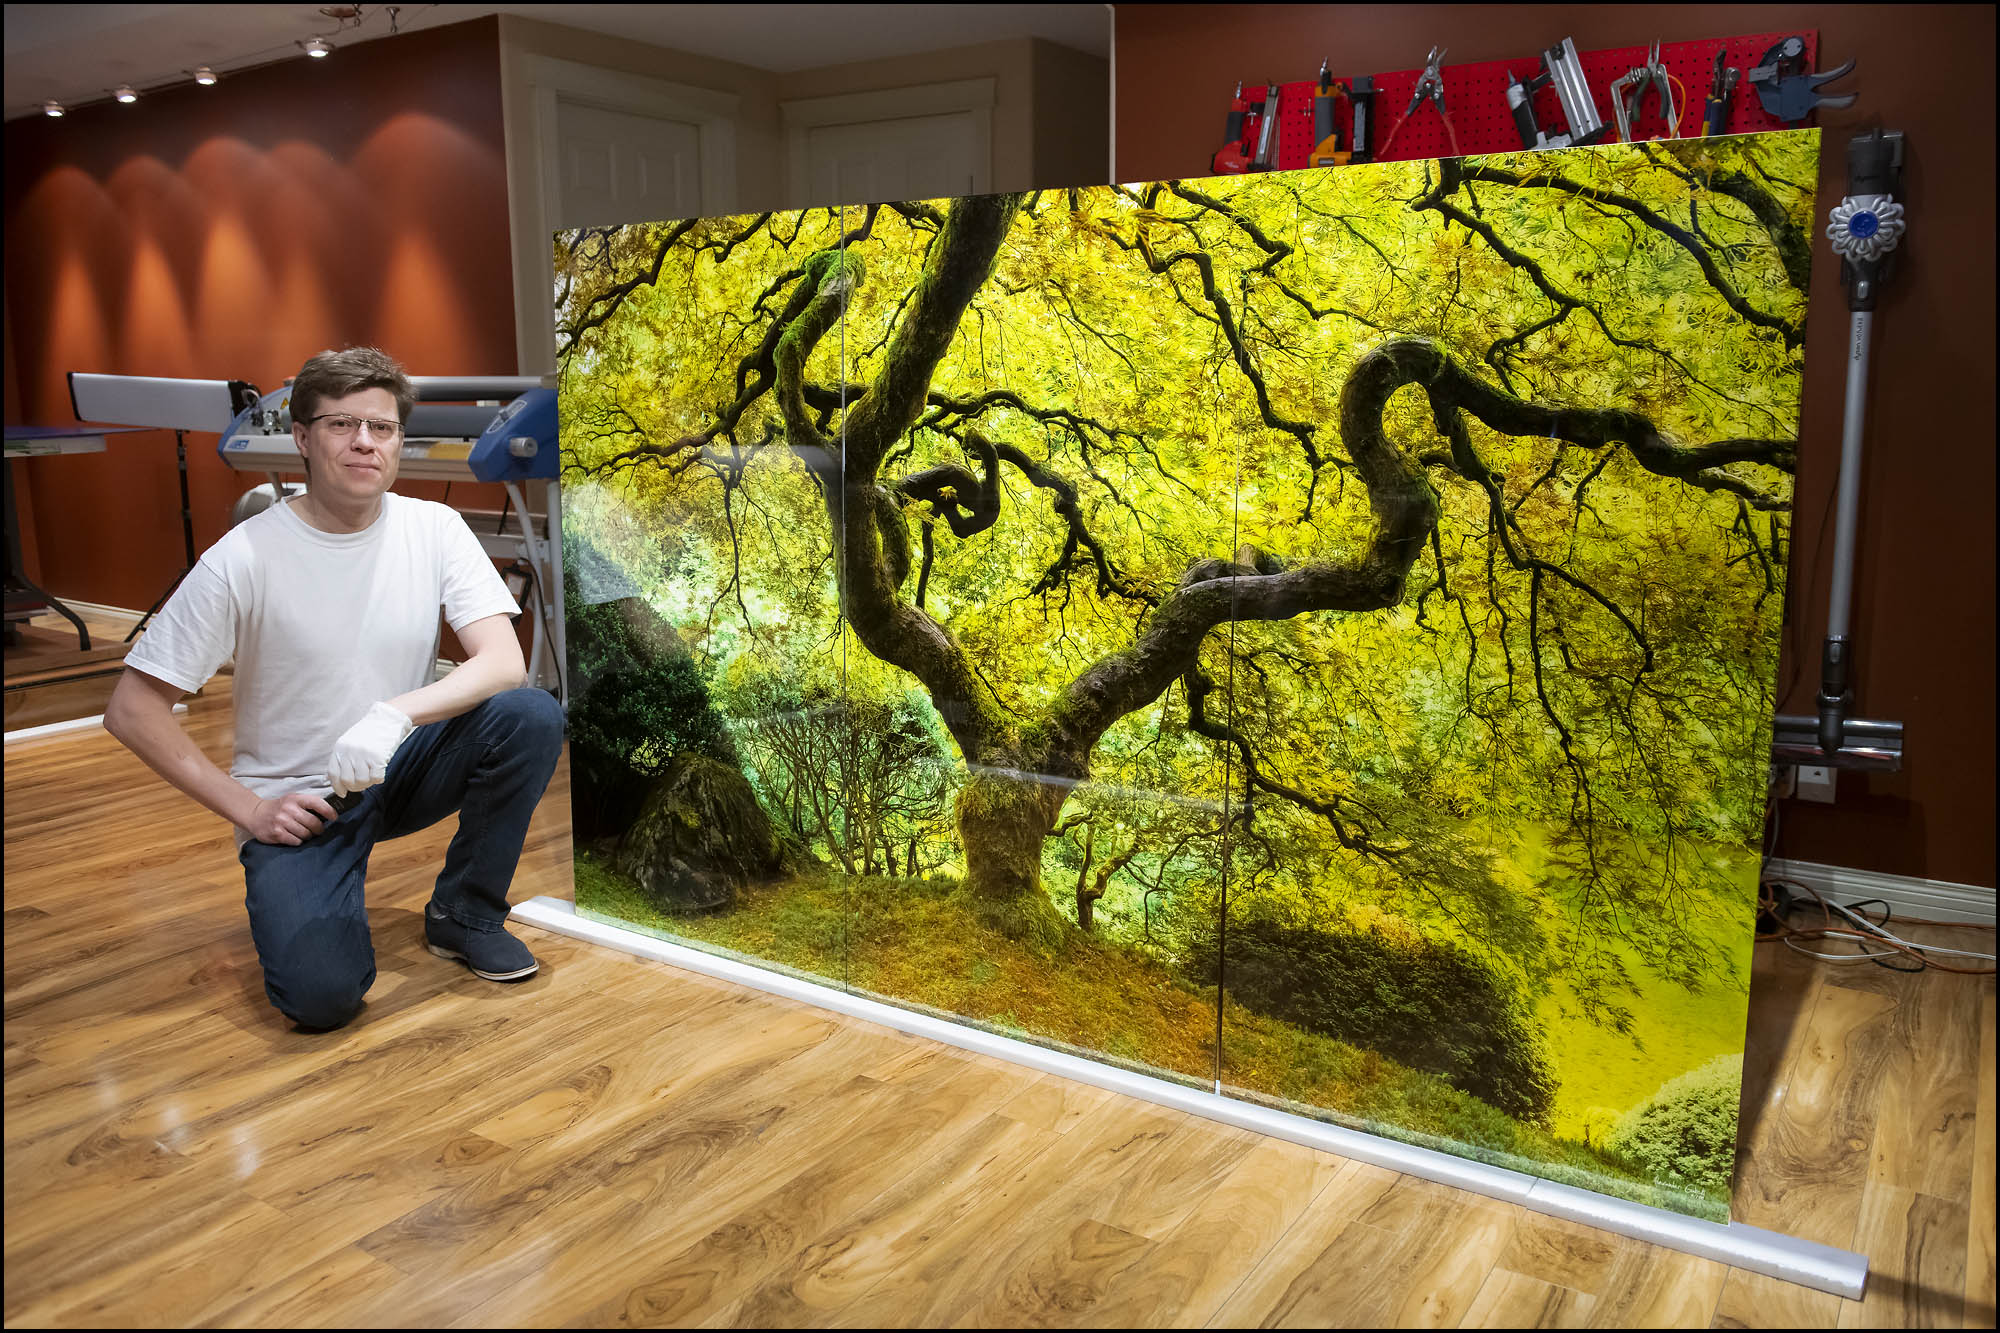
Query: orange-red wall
[[229, 233]]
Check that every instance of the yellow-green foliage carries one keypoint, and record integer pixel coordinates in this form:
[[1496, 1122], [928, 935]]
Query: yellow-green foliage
[[1685, 1134]]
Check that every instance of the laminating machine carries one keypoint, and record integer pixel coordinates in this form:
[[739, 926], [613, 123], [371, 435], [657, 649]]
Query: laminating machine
[[463, 428]]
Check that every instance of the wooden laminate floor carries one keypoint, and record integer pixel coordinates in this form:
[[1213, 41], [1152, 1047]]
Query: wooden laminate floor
[[615, 1142]]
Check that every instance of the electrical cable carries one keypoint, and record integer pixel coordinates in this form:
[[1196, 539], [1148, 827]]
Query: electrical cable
[[1876, 928], [1868, 933]]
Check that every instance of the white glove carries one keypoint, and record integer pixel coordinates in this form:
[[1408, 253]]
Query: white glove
[[361, 755]]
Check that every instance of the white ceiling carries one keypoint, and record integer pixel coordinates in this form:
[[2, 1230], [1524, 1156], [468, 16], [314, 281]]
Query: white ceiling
[[78, 53]]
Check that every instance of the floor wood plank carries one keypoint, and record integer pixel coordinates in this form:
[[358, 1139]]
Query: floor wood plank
[[1565, 1254], [835, 1268], [1979, 1299], [1916, 1248], [1199, 1263], [959, 1265], [1812, 1149], [1514, 1300], [1924, 1131], [1654, 1288], [1751, 1300]]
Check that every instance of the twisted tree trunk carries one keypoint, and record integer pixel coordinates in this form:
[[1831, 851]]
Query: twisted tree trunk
[[1003, 819]]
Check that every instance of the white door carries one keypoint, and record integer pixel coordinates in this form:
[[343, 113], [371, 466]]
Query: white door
[[615, 166], [915, 157]]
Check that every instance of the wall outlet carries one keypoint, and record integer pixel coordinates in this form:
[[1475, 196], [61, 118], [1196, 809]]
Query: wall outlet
[[1816, 783]]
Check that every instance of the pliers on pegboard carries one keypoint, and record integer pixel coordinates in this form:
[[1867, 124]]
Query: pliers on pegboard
[[1628, 90], [1430, 85]]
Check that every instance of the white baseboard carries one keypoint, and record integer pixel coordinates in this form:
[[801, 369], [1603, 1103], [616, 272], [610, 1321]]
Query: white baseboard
[[1787, 1258], [99, 609], [1908, 897]]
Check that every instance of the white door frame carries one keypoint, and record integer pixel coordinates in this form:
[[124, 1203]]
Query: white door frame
[[803, 115], [534, 203]]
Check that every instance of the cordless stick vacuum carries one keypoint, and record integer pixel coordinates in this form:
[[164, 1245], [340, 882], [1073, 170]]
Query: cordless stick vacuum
[[1865, 228]]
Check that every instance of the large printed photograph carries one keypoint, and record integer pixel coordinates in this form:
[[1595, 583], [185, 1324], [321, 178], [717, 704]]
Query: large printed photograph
[[1313, 632]]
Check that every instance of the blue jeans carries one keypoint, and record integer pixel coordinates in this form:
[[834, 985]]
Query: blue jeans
[[307, 917]]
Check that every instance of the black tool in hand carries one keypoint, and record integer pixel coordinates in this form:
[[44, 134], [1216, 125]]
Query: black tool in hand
[[342, 804]]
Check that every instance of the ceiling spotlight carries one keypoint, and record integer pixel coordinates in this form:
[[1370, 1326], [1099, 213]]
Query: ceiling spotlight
[[52, 108], [125, 93], [204, 76], [318, 48]]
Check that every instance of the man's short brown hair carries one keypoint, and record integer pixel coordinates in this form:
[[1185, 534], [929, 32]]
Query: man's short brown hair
[[337, 374]]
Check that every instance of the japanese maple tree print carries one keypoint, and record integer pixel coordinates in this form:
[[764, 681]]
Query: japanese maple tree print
[[1314, 630]]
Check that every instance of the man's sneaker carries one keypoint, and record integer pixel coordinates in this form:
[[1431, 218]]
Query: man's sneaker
[[491, 954]]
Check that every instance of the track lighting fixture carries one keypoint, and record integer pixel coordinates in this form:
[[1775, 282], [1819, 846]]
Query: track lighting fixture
[[318, 48]]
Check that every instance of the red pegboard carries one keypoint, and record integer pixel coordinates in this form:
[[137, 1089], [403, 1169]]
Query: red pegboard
[[1475, 97]]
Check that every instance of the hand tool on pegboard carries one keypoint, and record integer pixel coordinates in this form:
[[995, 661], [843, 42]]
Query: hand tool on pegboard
[[1267, 130], [1252, 120], [1562, 69], [1786, 89], [1628, 93], [1361, 96], [1430, 87], [1721, 83], [1329, 94], [1231, 159], [1327, 151]]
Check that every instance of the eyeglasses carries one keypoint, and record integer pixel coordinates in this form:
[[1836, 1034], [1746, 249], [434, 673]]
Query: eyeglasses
[[342, 427]]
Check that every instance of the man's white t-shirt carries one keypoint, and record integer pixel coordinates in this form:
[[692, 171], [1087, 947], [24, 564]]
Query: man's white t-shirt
[[322, 626]]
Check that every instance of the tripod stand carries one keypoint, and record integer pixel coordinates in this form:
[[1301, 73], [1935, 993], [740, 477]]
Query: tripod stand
[[187, 536]]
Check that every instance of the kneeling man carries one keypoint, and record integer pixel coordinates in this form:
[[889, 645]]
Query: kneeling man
[[329, 604]]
